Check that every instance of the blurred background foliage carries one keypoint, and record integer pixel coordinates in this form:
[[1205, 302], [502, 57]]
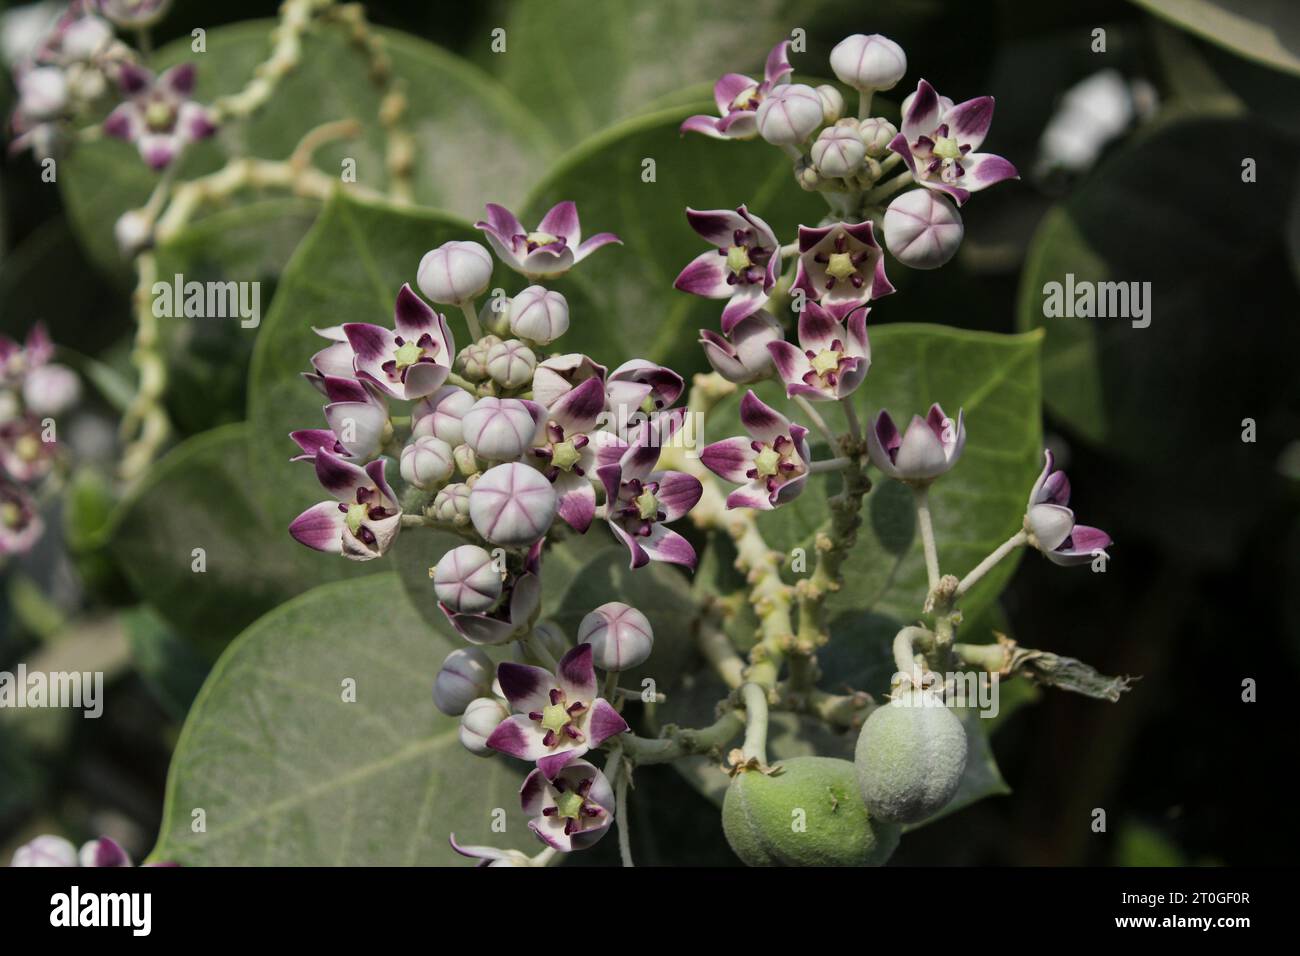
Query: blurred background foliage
[[1131, 164]]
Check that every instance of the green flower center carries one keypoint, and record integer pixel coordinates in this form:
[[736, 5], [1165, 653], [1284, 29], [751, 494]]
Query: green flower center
[[946, 147], [841, 265], [738, 259], [825, 361], [569, 804], [647, 505], [744, 98], [541, 238], [27, 448], [11, 515], [564, 456], [158, 115], [767, 461], [357, 513], [407, 355], [555, 717]]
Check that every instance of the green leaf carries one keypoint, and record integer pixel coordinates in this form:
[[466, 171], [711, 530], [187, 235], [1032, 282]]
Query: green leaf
[[1265, 31], [449, 102], [585, 71], [289, 773], [623, 296], [168, 663], [202, 495]]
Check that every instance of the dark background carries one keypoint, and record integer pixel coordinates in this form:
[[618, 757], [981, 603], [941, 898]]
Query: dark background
[[1201, 591]]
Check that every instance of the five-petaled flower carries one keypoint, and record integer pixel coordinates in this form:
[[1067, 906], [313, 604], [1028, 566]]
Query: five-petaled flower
[[640, 500], [556, 717], [410, 363], [744, 267], [929, 448], [357, 417], [362, 522], [841, 266], [771, 465], [738, 98], [1050, 522], [571, 811], [938, 143], [831, 359], [552, 249], [158, 115], [572, 447]]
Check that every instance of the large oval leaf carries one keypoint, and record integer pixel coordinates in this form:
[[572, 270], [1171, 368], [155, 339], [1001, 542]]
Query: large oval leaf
[[288, 772], [1266, 31]]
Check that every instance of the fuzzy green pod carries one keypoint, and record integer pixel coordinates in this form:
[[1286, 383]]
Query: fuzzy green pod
[[809, 814], [910, 758]]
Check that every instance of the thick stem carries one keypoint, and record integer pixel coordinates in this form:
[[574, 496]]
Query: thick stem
[[828, 464], [864, 104], [851, 416], [471, 319], [888, 188], [926, 527], [987, 565], [755, 701], [682, 742]]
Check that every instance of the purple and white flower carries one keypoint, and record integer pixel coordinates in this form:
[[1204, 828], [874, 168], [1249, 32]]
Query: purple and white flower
[[571, 811], [502, 429], [832, 357], [103, 852], [556, 717], [133, 14], [572, 447], [512, 505], [18, 360], [27, 451], [841, 266], [561, 373], [620, 636], [552, 249], [466, 675], [539, 315], [46, 850], [744, 267], [938, 142], [455, 273], [410, 363], [362, 522], [742, 356], [357, 417], [923, 229], [158, 115], [790, 114], [928, 449], [480, 718], [738, 98], [639, 500], [1050, 522], [771, 465], [511, 616], [639, 385], [868, 63]]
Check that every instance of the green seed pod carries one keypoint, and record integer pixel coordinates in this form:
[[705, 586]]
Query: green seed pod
[[910, 757], [809, 814]]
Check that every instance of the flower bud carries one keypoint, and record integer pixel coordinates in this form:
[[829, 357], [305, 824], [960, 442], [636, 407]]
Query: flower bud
[[466, 579], [452, 504], [481, 717], [465, 676], [789, 115], [133, 232], [440, 415], [133, 14], [832, 103], [923, 229], [103, 852], [620, 636], [868, 63], [758, 809], [743, 356], [427, 463], [808, 177], [501, 429], [494, 316], [85, 38], [510, 364], [910, 757], [928, 449], [467, 463], [876, 133], [512, 505], [46, 850], [455, 273], [838, 152], [42, 92], [472, 360], [50, 389], [539, 315]]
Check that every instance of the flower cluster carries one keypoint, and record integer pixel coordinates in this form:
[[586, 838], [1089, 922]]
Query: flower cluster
[[50, 850], [80, 63], [33, 390]]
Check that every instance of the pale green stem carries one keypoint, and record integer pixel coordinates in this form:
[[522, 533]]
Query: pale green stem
[[621, 820], [888, 189], [815, 417], [539, 651], [682, 742], [890, 161], [793, 152], [926, 527], [471, 319], [987, 565], [864, 104], [611, 685], [755, 701], [828, 464], [791, 250], [851, 415]]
